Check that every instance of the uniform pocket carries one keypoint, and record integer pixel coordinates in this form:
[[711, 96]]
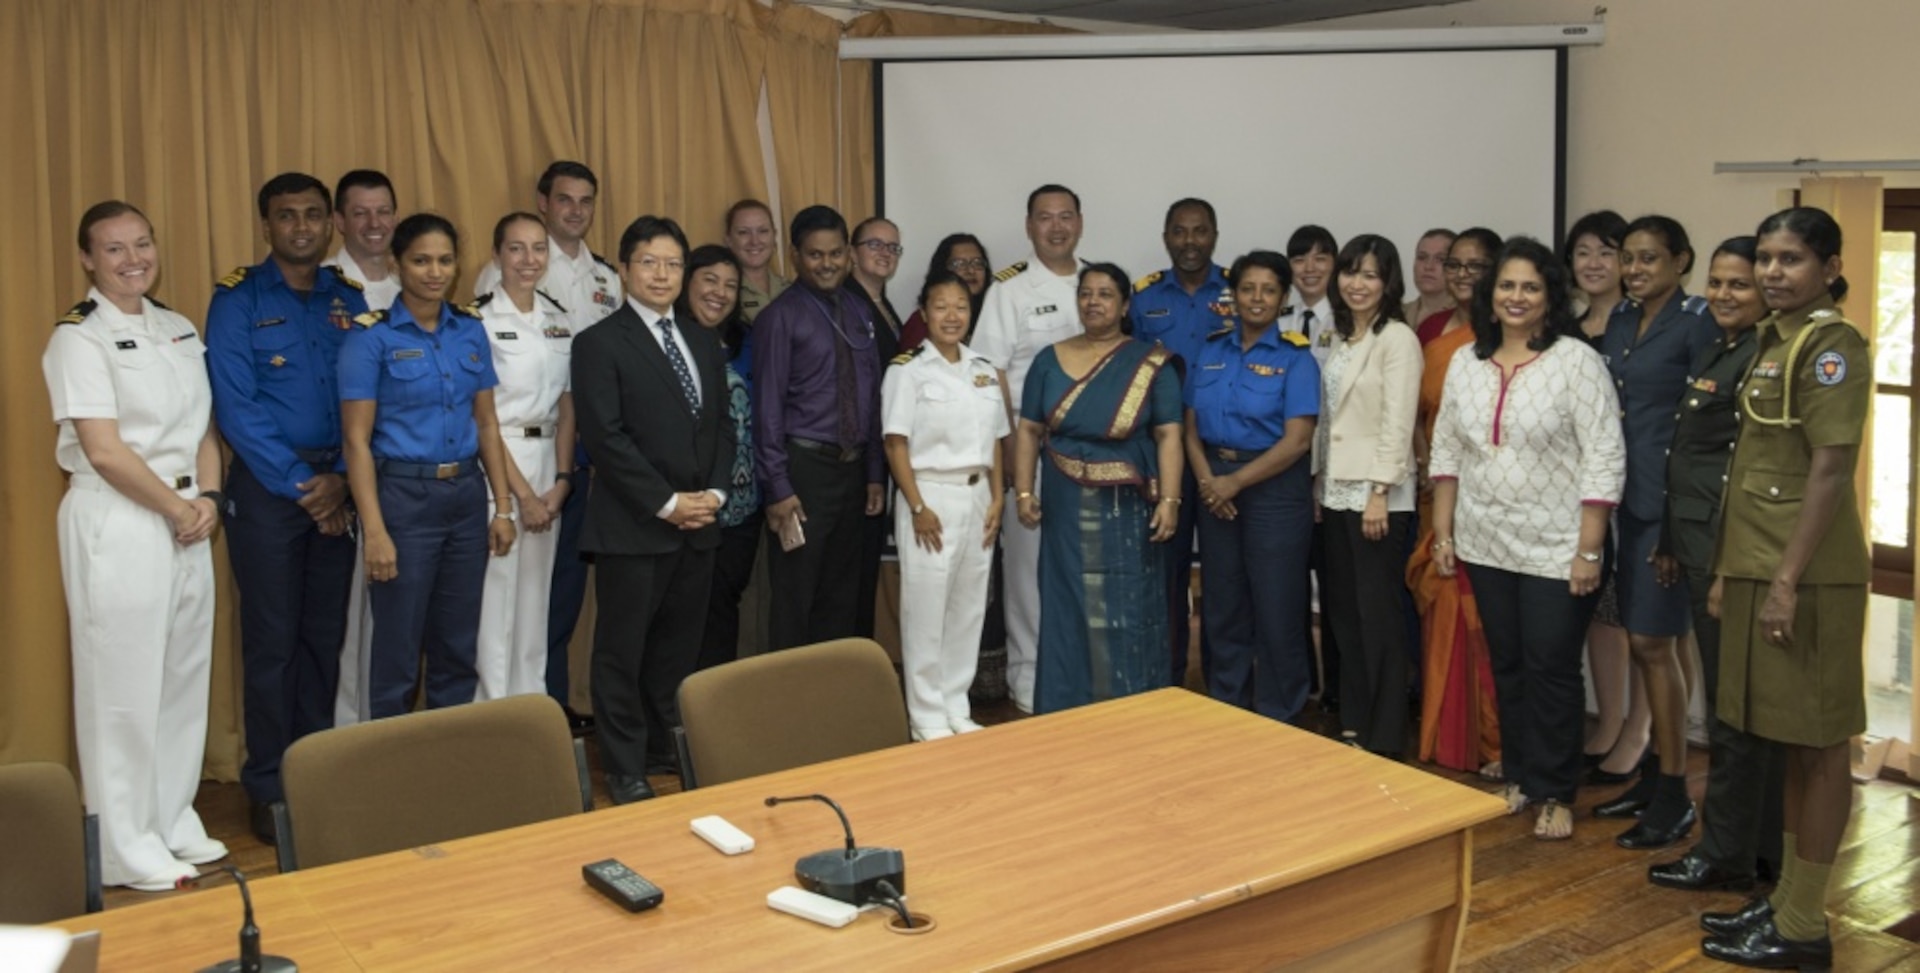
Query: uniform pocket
[[409, 381]]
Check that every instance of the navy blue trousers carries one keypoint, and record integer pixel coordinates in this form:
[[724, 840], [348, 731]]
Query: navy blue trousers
[[432, 608], [1254, 573]]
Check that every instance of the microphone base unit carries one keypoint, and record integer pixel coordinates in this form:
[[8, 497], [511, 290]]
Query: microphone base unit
[[268, 964], [851, 877]]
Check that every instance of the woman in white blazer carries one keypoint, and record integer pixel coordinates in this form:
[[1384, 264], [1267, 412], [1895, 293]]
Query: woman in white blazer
[[1364, 481]]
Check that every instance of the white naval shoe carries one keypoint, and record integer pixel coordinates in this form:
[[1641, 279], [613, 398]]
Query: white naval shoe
[[922, 734], [165, 881], [961, 724], [201, 852]]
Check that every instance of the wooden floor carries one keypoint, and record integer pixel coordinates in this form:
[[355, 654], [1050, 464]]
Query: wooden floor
[[1537, 906]]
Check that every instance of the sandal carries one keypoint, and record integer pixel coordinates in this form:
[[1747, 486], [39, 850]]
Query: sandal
[[1493, 770], [1516, 801], [1555, 822]]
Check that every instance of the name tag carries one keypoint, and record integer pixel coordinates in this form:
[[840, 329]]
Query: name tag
[[507, 335], [128, 345], [1048, 309], [270, 322], [189, 336], [1158, 312], [406, 353], [1214, 367]]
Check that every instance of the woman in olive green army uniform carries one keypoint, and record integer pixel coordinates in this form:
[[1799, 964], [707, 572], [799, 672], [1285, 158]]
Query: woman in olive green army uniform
[[1793, 570]]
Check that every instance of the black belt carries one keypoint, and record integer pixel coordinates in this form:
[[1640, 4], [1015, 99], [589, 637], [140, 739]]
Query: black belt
[[428, 471], [318, 457], [1232, 455], [843, 454]]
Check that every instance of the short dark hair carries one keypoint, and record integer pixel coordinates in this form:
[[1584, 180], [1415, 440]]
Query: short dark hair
[[943, 255], [1110, 270], [500, 228], [1670, 232], [1744, 247], [361, 179], [291, 184], [1309, 238], [1052, 187], [1264, 260], [1817, 229], [1560, 318], [941, 278], [1191, 202], [103, 211], [1606, 225], [411, 229], [744, 205], [571, 170], [1387, 257], [1481, 236], [732, 329], [814, 219], [648, 228], [870, 222]]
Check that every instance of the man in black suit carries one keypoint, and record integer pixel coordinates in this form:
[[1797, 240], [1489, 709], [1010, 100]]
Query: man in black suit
[[651, 402]]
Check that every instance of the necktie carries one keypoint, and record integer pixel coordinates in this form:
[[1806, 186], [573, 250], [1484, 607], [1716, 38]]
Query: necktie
[[846, 385], [1306, 324], [679, 363]]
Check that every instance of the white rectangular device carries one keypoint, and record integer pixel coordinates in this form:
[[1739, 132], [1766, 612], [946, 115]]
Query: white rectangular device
[[808, 905], [721, 834]]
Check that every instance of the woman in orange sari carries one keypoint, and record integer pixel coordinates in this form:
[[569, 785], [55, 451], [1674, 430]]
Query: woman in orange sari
[[1459, 727]]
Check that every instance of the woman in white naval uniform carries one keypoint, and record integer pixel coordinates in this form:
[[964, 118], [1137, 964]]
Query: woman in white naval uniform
[[532, 354], [944, 411], [129, 387]]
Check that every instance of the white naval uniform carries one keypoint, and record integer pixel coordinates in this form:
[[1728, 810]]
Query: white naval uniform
[[139, 606], [1024, 312], [380, 294], [953, 415], [349, 700], [586, 286], [532, 354], [1319, 329]]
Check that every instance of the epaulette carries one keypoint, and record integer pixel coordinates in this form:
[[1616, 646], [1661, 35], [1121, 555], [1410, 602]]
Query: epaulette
[[1148, 281], [602, 261], [1694, 304], [233, 280], [1225, 329], [562, 308], [1626, 303], [370, 318], [1295, 339], [472, 308], [1827, 317], [341, 276], [907, 356], [1011, 272], [157, 304], [77, 313]]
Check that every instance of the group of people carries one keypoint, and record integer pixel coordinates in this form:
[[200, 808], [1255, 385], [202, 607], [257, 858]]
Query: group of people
[[1456, 484]]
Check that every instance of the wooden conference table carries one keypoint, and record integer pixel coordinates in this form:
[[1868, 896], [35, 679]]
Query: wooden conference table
[[1158, 832]]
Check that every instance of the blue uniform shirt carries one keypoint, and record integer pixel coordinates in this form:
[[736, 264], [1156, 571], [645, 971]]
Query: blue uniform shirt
[[1163, 311], [272, 356], [1650, 374], [1243, 399], [423, 382]]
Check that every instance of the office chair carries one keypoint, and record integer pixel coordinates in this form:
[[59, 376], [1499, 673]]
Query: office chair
[[788, 709], [422, 778], [53, 846]]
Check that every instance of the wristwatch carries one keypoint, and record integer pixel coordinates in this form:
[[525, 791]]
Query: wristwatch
[[1591, 557], [1380, 489], [919, 509]]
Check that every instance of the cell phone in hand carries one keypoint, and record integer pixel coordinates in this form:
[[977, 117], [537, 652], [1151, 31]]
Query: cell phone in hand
[[793, 535]]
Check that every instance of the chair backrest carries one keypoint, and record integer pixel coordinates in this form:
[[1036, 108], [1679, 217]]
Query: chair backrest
[[47, 875], [789, 709], [426, 777]]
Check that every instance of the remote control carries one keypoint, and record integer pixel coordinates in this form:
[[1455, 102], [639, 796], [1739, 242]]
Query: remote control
[[622, 885], [720, 833], [809, 905]]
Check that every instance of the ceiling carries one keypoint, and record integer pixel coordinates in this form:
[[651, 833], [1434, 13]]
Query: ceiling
[[1188, 14]]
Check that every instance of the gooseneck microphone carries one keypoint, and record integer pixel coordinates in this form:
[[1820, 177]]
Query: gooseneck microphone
[[251, 960], [854, 875]]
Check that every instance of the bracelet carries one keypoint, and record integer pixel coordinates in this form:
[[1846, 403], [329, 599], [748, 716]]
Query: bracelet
[[1172, 500], [503, 516], [1023, 495], [1443, 545]]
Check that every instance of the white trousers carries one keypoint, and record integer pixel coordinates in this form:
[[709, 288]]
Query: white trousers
[[512, 654], [1020, 595], [350, 703], [140, 614], [943, 597]]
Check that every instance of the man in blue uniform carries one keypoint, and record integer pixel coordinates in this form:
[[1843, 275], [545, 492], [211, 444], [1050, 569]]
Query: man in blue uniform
[[273, 341], [1178, 308]]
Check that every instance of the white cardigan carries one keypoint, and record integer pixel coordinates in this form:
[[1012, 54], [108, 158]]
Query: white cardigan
[[1370, 416]]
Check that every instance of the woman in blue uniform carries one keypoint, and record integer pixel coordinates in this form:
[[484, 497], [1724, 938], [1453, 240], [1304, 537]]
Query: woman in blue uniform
[[1252, 398], [416, 390]]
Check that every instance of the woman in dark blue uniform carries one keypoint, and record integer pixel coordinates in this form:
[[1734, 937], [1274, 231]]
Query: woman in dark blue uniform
[[416, 390], [1252, 397]]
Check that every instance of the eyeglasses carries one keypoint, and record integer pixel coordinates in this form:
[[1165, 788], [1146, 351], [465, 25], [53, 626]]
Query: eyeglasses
[[1472, 268], [882, 246], [960, 266], [654, 264]]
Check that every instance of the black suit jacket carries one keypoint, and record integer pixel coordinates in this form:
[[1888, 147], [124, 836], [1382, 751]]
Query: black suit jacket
[[646, 444]]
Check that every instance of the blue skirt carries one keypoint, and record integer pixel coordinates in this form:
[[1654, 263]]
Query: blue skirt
[[1103, 617]]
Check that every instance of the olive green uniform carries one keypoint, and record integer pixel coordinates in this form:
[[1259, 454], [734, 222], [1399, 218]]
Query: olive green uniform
[[752, 298], [1810, 386]]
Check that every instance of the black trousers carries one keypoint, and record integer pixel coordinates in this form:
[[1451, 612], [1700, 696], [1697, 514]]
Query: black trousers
[[653, 608], [1535, 630], [1745, 773], [873, 547], [1361, 602], [732, 570], [1326, 675], [815, 585]]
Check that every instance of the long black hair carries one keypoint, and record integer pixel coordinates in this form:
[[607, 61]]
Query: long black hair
[[1352, 256], [943, 254], [1553, 271], [733, 328]]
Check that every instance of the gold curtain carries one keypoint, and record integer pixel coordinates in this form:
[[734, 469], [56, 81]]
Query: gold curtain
[[184, 107]]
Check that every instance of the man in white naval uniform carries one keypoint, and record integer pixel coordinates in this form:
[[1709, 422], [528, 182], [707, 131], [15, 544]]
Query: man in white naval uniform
[[1030, 306], [364, 211]]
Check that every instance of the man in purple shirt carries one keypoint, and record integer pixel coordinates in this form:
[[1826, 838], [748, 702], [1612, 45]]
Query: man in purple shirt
[[816, 436]]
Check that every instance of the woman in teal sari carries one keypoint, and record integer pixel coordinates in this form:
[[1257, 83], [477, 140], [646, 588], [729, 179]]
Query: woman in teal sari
[[1105, 412]]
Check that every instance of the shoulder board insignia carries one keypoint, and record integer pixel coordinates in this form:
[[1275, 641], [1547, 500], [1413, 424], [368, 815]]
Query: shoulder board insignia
[[1694, 304], [1011, 272], [1148, 281], [479, 301], [907, 356], [232, 280], [370, 318], [157, 304], [1224, 329], [562, 308], [341, 276], [1295, 339], [1626, 304], [77, 313], [602, 261]]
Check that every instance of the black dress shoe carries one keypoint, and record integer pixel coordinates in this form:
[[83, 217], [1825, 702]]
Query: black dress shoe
[[1649, 834], [627, 790], [1761, 945], [1731, 923], [260, 820], [1622, 807], [1694, 873]]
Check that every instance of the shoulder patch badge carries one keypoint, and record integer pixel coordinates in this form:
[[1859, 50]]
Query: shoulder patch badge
[[1830, 368], [1011, 272], [370, 318], [77, 313]]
